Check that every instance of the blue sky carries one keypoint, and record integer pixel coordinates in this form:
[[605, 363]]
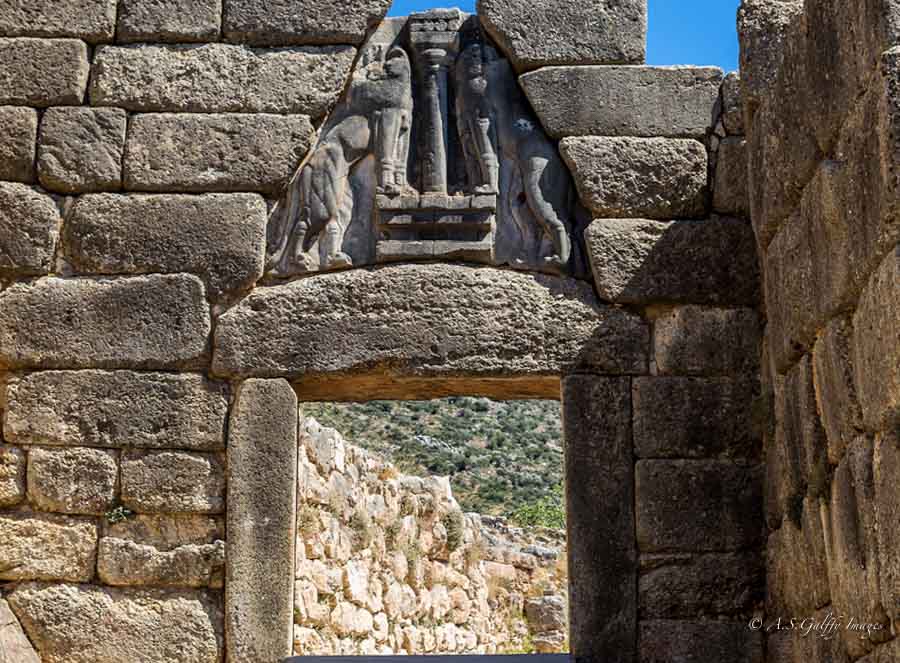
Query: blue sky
[[700, 32]]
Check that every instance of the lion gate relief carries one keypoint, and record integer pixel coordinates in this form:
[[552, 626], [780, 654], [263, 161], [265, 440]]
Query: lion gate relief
[[432, 153]]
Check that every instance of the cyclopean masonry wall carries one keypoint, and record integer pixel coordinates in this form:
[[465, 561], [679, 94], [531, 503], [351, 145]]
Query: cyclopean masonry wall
[[389, 563], [821, 111], [565, 223]]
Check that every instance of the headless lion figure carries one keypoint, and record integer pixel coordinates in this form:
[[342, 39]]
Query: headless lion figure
[[491, 109], [312, 207]]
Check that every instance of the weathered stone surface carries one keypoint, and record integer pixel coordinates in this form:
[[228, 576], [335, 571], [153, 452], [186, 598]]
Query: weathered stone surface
[[163, 551], [835, 390], [167, 551], [887, 653], [796, 461], [173, 482], [796, 563], [225, 152], [654, 178], [12, 475], [117, 409], [169, 20], [14, 644], [220, 78], [47, 547], [696, 340], [624, 101], [219, 237], [664, 641], [262, 520], [685, 586], [557, 32], [677, 417], [639, 261], [91, 20], [732, 104], [600, 498], [886, 467], [160, 321], [427, 320], [29, 226], [876, 346], [696, 506], [793, 646], [84, 624], [762, 26], [730, 193], [80, 149], [853, 556], [77, 480], [18, 137], [43, 72], [320, 22]]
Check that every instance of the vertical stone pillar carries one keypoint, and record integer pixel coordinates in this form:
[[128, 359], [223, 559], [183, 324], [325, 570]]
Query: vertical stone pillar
[[434, 158], [434, 37], [262, 505], [603, 560]]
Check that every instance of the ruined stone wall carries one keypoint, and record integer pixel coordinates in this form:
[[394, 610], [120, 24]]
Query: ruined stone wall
[[143, 364], [821, 109], [388, 563]]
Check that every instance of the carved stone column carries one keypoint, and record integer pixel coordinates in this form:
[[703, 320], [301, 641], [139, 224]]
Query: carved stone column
[[434, 37]]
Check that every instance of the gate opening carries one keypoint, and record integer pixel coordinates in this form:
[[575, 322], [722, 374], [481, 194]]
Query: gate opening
[[431, 527]]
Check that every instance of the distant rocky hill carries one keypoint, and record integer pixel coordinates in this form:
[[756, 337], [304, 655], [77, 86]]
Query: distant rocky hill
[[503, 458]]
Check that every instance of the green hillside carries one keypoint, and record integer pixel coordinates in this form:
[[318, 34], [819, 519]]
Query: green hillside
[[503, 457]]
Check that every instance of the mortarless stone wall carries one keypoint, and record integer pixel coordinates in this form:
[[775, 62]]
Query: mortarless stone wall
[[143, 465], [821, 111]]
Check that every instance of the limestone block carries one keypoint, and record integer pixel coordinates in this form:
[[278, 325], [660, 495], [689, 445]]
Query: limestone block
[[262, 522], [47, 547], [557, 32], [654, 178], [696, 340], [600, 498], [43, 72], [219, 237], [685, 417], [624, 100], [80, 149], [173, 482], [663, 641], [730, 193], [14, 644], [546, 613], [166, 551], [688, 586], [12, 475], [797, 562], [476, 322], [319, 22], [224, 152], [220, 78], [18, 137], [876, 347], [86, 624], [29, 223], [762, 26], [91, 20], [697, 506], [161, 322], [839, 408], [732, 104], [886, 468], [117, 409], [169, 20], [639, 261], [853, 555], [76, 480]]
